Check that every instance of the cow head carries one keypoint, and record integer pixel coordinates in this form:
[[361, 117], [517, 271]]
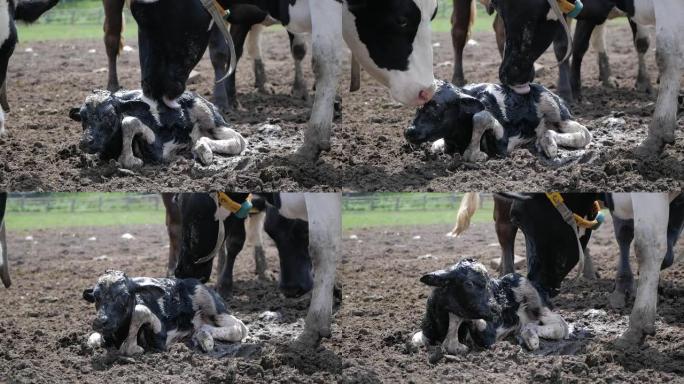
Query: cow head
[[292, 240], [551, 244], [464, 289], [392, 39], [449, 116], [530, 28], [114, 298], [101, 120]]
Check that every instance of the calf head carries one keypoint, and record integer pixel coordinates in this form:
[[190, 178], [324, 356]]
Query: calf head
[[292, 240], [392, 39], [114, 298], [551, 244], [100, 116], [464, 289], [448, 116], [529, 31]]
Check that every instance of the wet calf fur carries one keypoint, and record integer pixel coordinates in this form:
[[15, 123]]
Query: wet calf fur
[[466, 302], [135, 130], [482, 120], [144, 314]]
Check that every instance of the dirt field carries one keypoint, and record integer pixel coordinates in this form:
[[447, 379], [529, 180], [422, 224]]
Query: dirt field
[[369, 151], [44, 323], [384, 303]]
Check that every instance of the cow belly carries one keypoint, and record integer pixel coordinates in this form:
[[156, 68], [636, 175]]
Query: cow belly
[[644, 12], [300, 17]]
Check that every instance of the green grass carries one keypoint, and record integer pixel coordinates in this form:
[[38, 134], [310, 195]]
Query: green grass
[[483, 22], [53, 31], [372, 219], [28, 221]]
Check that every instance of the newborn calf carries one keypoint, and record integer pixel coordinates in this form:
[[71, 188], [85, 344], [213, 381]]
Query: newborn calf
[[466, 301], [481, 120], [139, 313], [135, 130]]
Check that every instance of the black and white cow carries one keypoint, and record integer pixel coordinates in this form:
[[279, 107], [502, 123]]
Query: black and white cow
[[135, 130], [4, 259], [137, 314], [466, 301], [11, 11], [206, 225], [391, 39], [530, 26], [481, 120]]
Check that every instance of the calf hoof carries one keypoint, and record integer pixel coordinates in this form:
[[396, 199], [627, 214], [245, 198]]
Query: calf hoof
[[529, 336], [204, 340], [131, 163], [131, 349], [474, 156], [299, 92], [203, 153], [547, 144]]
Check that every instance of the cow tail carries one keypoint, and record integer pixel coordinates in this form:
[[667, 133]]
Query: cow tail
[[473, 14], [123, 28], [469, 204]]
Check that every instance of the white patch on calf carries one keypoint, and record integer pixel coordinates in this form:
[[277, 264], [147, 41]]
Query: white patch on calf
[[169, 149], [4, 21], [500, 98], [154, 108], [95, 340]]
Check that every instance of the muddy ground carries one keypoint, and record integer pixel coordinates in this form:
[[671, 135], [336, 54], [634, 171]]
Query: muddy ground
[[44, 322], [368, 152], [384, 304]]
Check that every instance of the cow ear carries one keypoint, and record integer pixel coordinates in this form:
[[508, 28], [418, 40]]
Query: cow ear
[[88, 295], [75, 114], [435, 279], [469, 105], [356, 5]]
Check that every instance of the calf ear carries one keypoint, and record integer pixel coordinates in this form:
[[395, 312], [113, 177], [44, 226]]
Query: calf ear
[[75, 114], [435, 279], [88, 295]]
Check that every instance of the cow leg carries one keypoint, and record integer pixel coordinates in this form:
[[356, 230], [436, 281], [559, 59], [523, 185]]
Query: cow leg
[[589, 271], [131, 127], [482, 121], [675, 226], [255, 225], [505, 232], [225, 94], [235, 240], [173, 227], [560, 46], [451, 344], [298, 51], [113, 39], [327, 54], [624, 280], [4, 259], [500, 31], [460, 23], [254, 51], [141, 316], [598, 42], [651, 211], [227, 142], [325, 231], [641, 43], [4, 106], [583, 32], [661, 131]]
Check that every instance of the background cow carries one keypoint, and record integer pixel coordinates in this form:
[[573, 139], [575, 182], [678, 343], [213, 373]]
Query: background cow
[[4, 259], [390, 39]]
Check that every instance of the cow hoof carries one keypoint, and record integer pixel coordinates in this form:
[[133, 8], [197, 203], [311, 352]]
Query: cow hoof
[[651, 147], [309, 338], [226, 292], [610, 82], [204, 340], [644, 86], [475, 156], [617, 299], [629, 340], [266, 89], [131, 350], [308, 153], [300, 93]]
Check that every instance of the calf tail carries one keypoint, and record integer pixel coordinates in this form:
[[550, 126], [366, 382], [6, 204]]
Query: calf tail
[[31, 10], [469, 204]]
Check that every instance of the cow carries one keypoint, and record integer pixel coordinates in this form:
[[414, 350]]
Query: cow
[[463, 17], [113, 39], [135, 130], [10, 12], [4, 259], [391, 39], [157, 313], [489, 120], [466, 301], [534, 21], [206, 223]]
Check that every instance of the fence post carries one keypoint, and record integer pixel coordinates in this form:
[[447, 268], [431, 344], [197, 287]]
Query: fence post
[[99, 203], [396, 204], [73, 205]]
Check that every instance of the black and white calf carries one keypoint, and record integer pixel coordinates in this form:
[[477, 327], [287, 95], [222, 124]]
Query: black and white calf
[[4, 260], [481, 120], [135, 130], [466, 301], [137, 314], [11, 11]]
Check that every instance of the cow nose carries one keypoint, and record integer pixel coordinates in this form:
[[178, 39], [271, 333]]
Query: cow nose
[[99, 323], [411, 134], [425, 95]]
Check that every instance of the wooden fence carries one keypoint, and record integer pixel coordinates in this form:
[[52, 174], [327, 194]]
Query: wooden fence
[[102, 202]]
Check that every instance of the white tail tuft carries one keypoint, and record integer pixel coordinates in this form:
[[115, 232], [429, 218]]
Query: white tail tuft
[[469, 204]]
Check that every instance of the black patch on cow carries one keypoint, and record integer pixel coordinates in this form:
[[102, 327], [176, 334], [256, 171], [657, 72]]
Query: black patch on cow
[[388, 29]]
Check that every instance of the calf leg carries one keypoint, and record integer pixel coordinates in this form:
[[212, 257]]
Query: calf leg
[[298, 50], [325, 231], [460, 22], [113, 27], [624, 280], [229, 143], [327, 55], [141, 316], [228, 328], [551, 326], [451, 344], [131, 127], [641, 43], [505, 232], [255, 225], [651, 214], [598, 42], [573, 135], [482, 121]]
